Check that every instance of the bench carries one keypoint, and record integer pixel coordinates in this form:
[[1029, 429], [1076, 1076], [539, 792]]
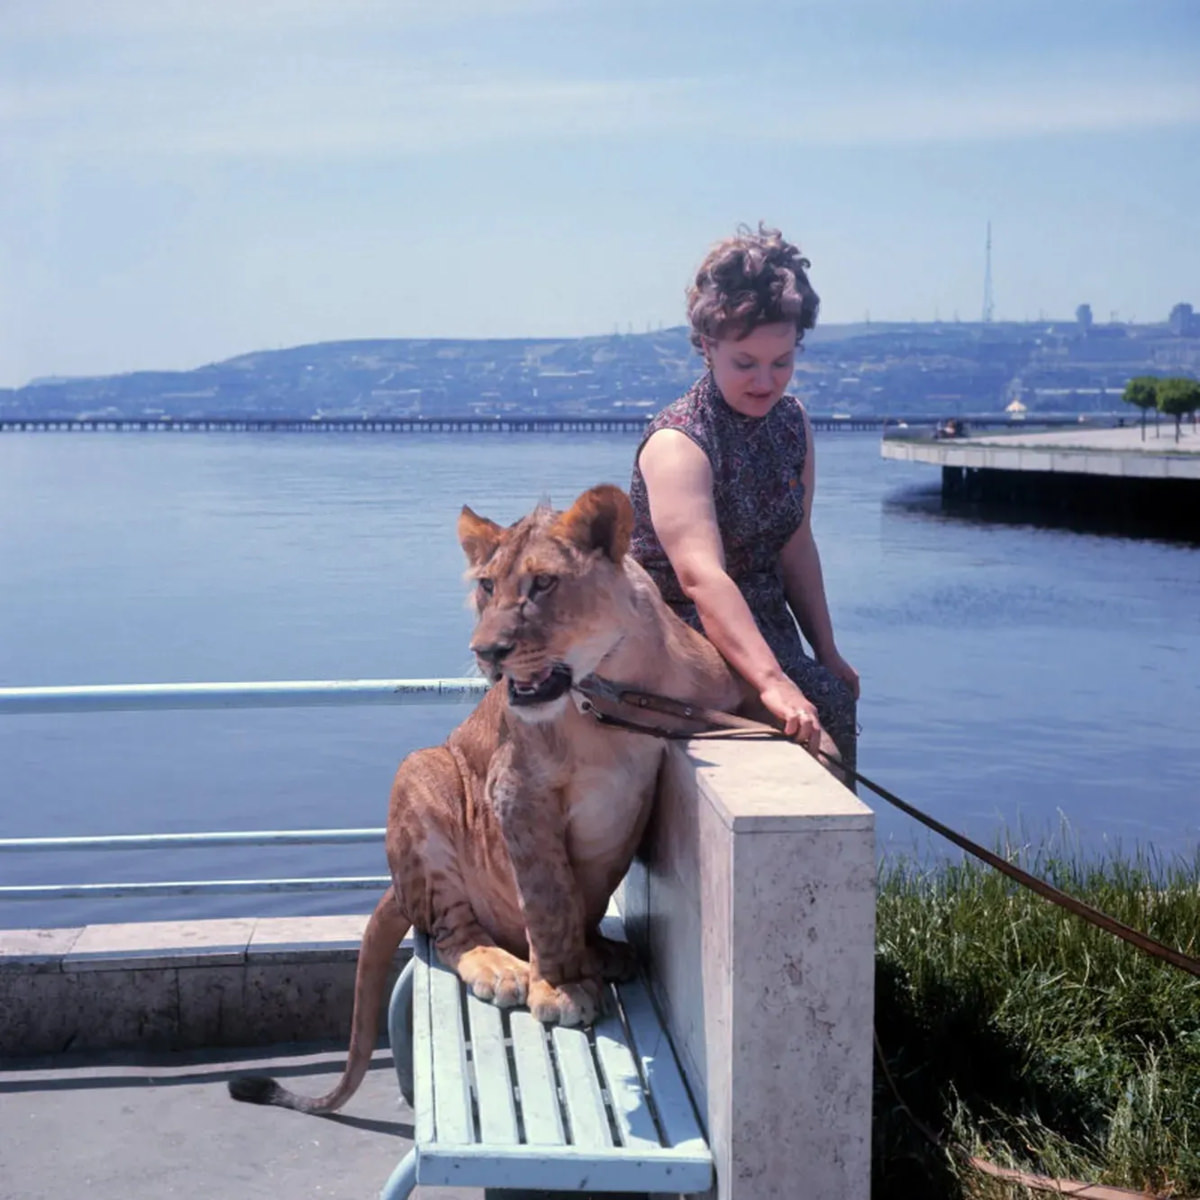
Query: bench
[[502, 1101]]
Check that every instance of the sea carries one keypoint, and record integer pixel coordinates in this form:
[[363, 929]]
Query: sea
[[1031, 684]]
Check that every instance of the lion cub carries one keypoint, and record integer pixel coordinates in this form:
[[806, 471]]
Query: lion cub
[[506, 843]]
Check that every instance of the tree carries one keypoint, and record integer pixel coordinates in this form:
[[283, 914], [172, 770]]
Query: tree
[[1177, 397], [1142, 391]]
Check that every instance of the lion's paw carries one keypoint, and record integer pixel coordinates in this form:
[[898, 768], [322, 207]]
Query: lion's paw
[[570, 1004], [494, 974]]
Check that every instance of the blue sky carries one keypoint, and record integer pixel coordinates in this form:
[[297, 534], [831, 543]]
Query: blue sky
[[182, 181]]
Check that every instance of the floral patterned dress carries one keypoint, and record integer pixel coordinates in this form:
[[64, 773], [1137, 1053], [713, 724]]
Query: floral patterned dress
[[758, 468]]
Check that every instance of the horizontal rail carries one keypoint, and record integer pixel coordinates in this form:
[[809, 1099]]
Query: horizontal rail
[[164, 696], [188, 841], [139, 697], [190, 887]]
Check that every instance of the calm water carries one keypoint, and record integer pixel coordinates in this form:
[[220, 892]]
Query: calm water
[[1013, 676]]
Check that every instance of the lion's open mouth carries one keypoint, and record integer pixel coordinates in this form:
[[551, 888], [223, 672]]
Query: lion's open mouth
[[553, 682]]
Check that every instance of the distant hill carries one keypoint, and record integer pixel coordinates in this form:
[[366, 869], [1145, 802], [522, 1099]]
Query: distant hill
[[863, 368]]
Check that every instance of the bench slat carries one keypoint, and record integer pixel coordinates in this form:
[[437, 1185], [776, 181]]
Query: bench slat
[[422, 1044], [493, 1086], [653, 1048], [634, 1119], [581, 1088], [564, 1168], [561, 1075], [535, 1077], [451, 1089], [611, 924]]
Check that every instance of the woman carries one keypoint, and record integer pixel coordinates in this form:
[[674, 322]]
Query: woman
[[722, 492]]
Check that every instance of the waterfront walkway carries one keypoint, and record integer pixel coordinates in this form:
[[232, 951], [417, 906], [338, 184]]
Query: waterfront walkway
[[1124, 440], [117, 1125], [1081, 450]]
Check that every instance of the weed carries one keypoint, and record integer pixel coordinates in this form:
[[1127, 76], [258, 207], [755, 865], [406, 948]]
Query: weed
[[1018, 1032]]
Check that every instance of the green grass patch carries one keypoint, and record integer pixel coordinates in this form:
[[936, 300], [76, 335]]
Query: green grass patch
[[1019, 1033]]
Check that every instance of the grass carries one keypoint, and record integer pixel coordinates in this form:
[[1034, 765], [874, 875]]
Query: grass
[[1017, 1032]]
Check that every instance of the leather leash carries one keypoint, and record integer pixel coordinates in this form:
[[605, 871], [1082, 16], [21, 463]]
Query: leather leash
[[594, 688]]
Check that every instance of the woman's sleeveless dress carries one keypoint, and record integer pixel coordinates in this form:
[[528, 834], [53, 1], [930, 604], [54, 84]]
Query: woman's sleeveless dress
[[757, 467]]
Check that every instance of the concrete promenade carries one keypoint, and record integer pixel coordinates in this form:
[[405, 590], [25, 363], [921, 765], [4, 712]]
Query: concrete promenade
[[1083, 451], [142, 1126], [755, 906]]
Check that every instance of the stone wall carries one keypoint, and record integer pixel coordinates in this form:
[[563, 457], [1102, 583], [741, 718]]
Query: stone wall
[[178, 985], [755, 905]]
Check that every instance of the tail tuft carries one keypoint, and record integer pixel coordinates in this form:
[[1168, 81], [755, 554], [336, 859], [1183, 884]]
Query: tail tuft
[[255, 1089]]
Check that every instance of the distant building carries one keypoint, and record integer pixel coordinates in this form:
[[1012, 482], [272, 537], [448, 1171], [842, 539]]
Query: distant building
[[1183, 321], [1083, 317]]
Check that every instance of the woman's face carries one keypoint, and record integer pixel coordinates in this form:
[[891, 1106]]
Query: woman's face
[[753, 372]]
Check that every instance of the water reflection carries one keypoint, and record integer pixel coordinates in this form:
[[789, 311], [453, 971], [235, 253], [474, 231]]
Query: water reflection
[[1174, 524]]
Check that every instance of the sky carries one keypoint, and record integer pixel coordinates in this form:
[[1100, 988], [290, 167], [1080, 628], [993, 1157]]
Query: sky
[[181, 182]]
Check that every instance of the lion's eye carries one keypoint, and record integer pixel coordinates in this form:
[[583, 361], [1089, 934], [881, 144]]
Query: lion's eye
[[542, 584], [487, 586]]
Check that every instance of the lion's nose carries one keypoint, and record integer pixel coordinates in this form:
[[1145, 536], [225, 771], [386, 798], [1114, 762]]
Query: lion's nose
[[494, 652]]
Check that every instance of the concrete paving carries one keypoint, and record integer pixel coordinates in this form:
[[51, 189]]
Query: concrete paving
[[1119, 452], [122, 1126], [1124, 439]]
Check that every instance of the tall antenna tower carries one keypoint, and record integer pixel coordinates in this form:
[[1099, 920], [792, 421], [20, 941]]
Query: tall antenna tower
[[987, 279]]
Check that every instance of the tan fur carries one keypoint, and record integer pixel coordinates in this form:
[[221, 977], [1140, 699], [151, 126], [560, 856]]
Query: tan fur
[[506, 843]]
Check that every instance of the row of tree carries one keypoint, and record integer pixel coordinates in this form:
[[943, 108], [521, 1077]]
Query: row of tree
[[1175, 397]]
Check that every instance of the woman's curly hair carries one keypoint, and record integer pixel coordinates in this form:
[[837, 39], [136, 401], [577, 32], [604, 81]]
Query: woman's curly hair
[[748, 280]]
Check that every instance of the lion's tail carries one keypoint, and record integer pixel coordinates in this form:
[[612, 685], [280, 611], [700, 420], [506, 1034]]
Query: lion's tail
[[385, 930]]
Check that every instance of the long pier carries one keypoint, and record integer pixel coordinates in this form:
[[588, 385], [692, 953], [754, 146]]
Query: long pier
[[430, 424], [1112, 453], [514, 424], [1122, 473], [236, 424]]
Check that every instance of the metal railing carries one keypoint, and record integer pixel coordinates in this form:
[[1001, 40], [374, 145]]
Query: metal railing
[[297, 693], [164, 696]]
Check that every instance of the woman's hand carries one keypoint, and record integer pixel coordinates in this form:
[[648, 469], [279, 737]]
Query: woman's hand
[[798, 714], [835, 663]]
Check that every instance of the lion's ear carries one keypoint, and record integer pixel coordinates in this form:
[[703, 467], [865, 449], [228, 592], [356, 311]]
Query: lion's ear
[[601, 519], [478, 536]]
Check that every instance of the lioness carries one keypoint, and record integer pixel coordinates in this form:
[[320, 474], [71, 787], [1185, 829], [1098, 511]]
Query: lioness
[[505, 844]]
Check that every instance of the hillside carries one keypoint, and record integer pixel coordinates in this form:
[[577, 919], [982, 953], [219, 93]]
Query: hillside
[[866, 368]]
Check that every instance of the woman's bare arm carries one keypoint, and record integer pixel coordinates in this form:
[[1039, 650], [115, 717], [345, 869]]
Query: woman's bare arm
[[679, 486]]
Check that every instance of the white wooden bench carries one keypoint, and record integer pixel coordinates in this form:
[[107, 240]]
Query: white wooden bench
[[503, 1102]]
